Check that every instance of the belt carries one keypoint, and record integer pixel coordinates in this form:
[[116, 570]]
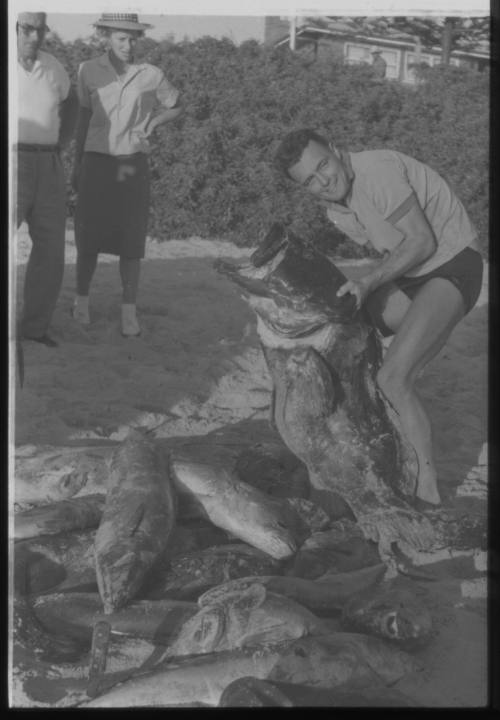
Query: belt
[[28, 147]]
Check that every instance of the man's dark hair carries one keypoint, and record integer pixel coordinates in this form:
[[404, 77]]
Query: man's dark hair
[[293, 145]]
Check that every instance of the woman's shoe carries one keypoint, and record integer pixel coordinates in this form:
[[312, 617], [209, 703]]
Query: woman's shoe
[[130, 326], [80, 310]]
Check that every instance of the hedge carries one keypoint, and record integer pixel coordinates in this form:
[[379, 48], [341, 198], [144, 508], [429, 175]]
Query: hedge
[[212, 174]]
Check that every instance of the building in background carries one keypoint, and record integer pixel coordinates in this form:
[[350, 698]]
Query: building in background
[[337, 39]]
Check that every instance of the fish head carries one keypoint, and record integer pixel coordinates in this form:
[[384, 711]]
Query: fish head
[[406, 625], [291, 286], [220, 626], [278, 620], [394, 616], [200, 634], [278, 531]]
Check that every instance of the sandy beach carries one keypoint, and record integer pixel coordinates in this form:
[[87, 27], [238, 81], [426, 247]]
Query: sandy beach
[[197, 366]]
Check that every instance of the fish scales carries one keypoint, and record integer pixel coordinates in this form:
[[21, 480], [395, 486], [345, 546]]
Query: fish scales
[[327, 594], [138, 518], [249, 514], [190, 680], [157, 621], [190, 574]]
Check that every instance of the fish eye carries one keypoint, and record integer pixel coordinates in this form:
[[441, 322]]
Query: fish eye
[[392, 625]]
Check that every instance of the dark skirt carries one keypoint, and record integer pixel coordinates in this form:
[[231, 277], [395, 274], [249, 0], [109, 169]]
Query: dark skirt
[[112, 209]]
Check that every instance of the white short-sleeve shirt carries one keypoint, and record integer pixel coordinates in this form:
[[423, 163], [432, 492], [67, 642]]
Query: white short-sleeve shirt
[[383, 181], [40, 93], [121, 106]]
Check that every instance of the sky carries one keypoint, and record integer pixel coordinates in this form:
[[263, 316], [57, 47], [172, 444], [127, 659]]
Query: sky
[[220, 18], [193, 18], [69, 26]]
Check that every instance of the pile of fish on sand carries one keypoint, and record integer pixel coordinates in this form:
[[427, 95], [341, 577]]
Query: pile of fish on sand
[[233, 568], [187, 575]]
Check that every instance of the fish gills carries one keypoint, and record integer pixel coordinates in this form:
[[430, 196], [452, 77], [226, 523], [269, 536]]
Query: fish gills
[[250, 616]]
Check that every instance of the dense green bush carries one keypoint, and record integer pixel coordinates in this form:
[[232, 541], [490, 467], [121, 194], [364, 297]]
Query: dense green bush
[[212, 171]]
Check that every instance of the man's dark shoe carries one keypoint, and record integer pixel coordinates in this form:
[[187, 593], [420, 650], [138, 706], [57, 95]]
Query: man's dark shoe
[[44, 339]]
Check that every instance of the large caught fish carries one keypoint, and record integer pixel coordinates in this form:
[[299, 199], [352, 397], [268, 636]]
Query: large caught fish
[[250, 617], [76, 513], [323, 358], [191, 574], [188, 680], [325, 595], [251, 448], [267, 523], [158, 621], [329, 661], [254, 450], [138, 519], [48, 474], [333, 660]]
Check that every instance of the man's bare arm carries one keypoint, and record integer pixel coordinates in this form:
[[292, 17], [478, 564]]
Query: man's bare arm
[[417, 245]]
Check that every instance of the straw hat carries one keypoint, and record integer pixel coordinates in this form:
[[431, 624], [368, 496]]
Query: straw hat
[[121, 21]]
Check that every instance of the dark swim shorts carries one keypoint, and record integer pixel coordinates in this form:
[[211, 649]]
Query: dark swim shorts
[[465, 271]]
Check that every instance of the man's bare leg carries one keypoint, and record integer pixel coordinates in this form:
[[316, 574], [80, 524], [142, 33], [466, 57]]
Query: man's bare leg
[[422, 327]]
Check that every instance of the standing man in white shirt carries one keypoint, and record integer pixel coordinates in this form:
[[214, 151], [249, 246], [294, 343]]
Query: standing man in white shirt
[[46, 118]]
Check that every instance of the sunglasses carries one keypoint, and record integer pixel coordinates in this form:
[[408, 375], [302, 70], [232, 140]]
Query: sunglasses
[[29, 29]]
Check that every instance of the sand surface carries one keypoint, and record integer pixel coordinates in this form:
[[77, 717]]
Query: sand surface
[[197, 365]]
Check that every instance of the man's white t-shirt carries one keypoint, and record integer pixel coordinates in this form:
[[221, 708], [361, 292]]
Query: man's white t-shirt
[[40, 93]]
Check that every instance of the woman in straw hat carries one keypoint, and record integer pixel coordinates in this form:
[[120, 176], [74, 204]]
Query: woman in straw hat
[[118, 113]]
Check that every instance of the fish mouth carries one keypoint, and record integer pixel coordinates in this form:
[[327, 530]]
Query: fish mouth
[[250, 285], [275, 239]]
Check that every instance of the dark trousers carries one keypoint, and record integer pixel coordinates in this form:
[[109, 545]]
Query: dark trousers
[[41, 202]]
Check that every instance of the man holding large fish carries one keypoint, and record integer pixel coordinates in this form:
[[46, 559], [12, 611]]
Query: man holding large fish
[[429, 275]]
